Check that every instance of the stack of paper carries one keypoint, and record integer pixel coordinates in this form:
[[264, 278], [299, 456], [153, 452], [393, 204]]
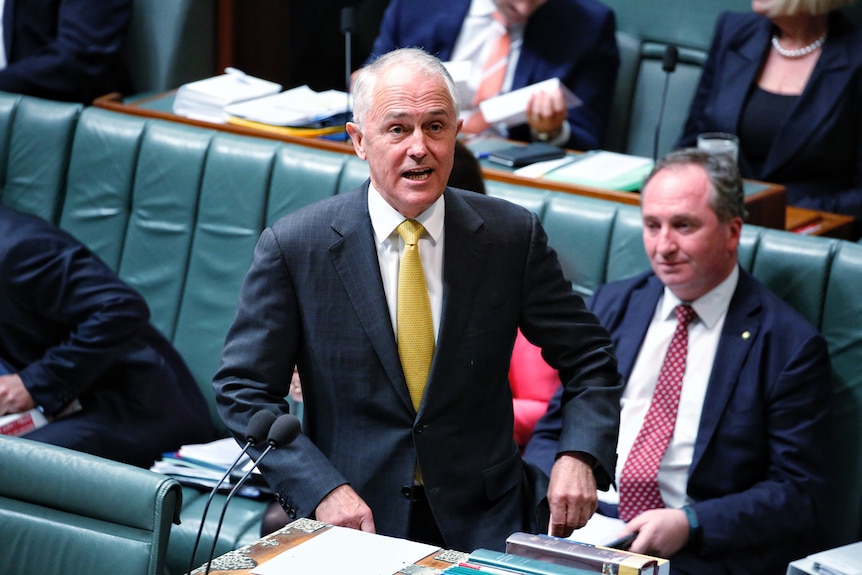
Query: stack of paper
[[511, 108], [206, 99], [297, 107], [203, 465], [605, 170]]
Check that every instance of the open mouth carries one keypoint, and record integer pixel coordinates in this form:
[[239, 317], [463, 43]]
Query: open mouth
[[418, 174]]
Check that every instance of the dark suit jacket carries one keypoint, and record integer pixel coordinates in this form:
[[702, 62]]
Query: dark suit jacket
[[817, 152], [314, 297], [572, 40], [757, 476], [64, 49], [71, 329]]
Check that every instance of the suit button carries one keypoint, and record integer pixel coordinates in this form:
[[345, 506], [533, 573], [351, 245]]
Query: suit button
[[407, 492]]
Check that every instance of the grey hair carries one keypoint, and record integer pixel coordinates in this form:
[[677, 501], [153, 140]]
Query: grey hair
[[727, 199], [414, 58]]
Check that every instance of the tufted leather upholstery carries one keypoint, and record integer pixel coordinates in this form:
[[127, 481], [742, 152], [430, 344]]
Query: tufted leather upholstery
[[177, 210]]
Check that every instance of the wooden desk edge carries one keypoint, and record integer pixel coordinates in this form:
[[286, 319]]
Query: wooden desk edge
[[114, 102]]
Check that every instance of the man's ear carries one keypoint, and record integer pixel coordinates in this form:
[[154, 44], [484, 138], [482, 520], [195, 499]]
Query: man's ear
[[356, 137]]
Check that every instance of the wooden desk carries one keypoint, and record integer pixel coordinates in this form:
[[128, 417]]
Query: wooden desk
[[766, 202], [242, 561]]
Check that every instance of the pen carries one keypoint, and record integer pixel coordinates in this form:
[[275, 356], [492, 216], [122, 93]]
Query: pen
[[482, 155]]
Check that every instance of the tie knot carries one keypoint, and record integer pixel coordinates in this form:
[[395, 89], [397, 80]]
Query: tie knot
[[500, 20], [410, 230], [685, 314]]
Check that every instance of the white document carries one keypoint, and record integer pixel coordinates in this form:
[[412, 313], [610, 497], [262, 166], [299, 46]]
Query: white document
[[293, 107], [599, 530], [205, 99], [343, 550], [461, 72], [510, 108]]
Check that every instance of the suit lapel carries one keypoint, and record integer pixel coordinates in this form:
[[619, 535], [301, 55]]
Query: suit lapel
[[740, 331], [828, 83], [466, 254], [355, 261], [639, 311]]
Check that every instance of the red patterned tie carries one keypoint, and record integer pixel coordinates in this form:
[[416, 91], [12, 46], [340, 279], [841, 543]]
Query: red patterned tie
[[493, 74], [638, 487]]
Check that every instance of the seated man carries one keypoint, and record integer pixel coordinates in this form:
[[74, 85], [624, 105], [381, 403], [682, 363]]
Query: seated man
[[735, 482], [73, 334], [515, 43], [63, 49]]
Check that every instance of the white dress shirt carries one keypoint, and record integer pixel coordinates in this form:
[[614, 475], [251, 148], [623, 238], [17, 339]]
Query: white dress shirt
[[703, 337], [385, 219]]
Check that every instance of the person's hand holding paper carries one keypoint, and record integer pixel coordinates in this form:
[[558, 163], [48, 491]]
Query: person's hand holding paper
[[543, 99]]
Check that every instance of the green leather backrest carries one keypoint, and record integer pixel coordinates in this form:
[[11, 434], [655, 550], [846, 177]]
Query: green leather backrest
[[644, 29], [96, 516], [686, 23], [35, 143], [169, 43]]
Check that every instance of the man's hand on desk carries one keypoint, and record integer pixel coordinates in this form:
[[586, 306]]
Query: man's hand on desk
[[343, 507], [571, 493]]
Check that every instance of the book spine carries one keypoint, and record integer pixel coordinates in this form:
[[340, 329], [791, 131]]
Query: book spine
[[521, 564], [579, 555]]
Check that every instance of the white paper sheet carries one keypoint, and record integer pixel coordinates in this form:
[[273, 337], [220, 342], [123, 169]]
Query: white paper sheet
[[340, 550], [603, 166], [510, 108]]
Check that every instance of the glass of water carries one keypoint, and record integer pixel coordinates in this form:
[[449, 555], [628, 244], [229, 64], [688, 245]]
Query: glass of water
[[719, 143]]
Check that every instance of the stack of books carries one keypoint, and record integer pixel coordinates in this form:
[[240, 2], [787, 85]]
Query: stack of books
[[528, 554]]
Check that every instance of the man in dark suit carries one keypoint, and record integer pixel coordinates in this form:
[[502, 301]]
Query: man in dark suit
[[79, 346], [742, 481], [321, 294], [64, 49], [573, 40]]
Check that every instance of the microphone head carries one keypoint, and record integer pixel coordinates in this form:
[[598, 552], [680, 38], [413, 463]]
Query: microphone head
[[259, 426], [285, 429], [347, 19], [671, 56]]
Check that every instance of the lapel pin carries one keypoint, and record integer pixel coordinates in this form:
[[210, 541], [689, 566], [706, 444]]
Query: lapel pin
[[746, 335]]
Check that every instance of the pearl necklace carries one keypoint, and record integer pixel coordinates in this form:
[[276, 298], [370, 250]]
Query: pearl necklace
[[800, 52]]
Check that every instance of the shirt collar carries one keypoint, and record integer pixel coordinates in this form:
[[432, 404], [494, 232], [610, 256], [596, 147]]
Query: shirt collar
[[385, 218], [710, 307]]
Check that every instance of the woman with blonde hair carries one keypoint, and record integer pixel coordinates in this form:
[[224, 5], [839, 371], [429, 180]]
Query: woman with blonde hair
[[787, 80]]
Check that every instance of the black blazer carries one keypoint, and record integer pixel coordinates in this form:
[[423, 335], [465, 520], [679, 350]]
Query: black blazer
[[65, 49], [817, 153], [73, 330], [572, 40]]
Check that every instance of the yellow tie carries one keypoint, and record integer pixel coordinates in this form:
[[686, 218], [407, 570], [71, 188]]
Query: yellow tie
[[415, 327]]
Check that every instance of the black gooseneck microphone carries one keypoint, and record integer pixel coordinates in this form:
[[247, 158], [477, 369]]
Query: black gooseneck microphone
[[668, 64], [258, 428], [347, 25], [285, 429]]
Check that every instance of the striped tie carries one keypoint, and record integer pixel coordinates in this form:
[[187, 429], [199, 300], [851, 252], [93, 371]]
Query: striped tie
[[493, 73]]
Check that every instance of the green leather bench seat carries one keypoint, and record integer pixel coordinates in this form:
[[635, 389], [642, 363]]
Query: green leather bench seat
[[177, 210], [67, 512]]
